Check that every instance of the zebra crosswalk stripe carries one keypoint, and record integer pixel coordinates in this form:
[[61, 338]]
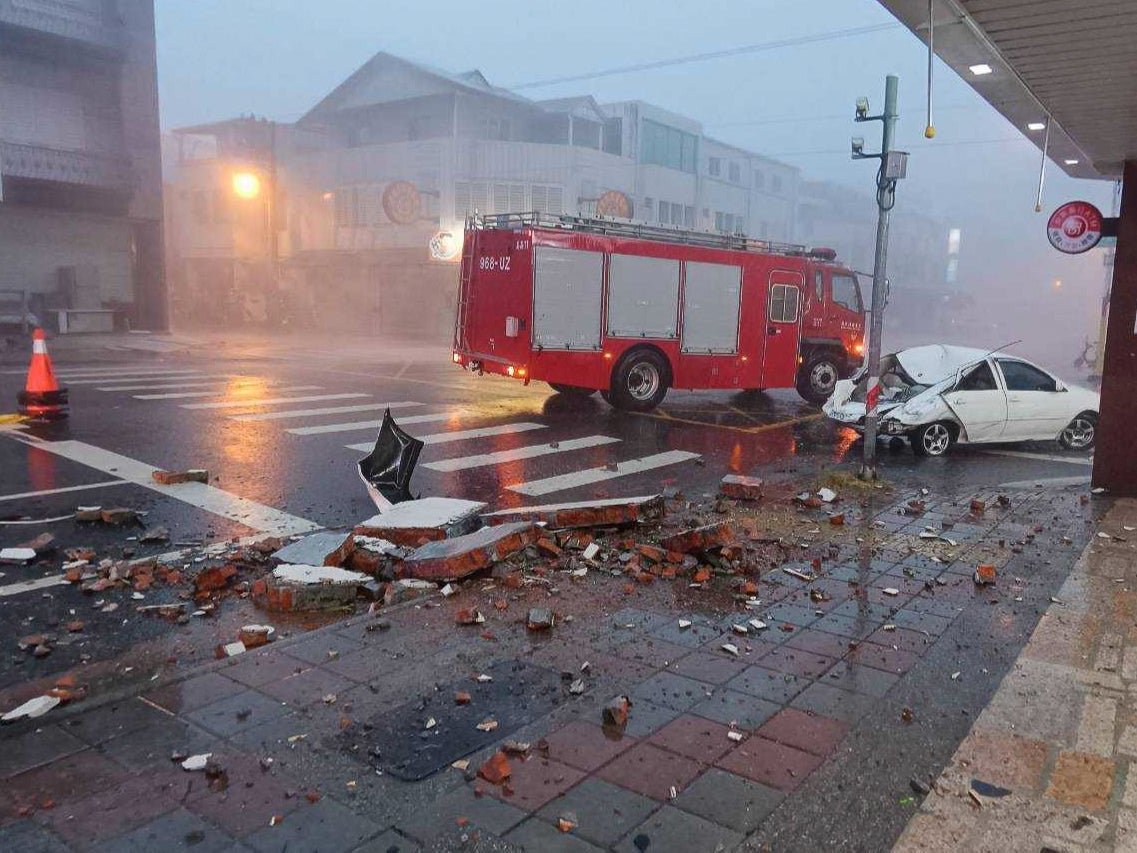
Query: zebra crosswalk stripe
[[461, 463], [462, 434], [588, 476], [273, 401], [321, 429], [103, 380], [219, 392], [329, 410]]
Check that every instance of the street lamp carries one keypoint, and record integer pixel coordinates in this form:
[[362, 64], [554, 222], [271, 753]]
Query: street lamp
[[246, 185]]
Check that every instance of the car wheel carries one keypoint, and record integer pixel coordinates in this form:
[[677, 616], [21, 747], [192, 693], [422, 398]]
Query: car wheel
[[639, 382], [1080, 433], [933, 439], [572, 390], [818, 377]]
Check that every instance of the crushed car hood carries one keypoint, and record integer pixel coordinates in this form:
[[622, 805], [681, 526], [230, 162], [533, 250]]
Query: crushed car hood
[[931, 364]]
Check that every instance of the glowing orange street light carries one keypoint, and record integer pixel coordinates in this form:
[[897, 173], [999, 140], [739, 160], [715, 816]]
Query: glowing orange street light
[[246, 185]]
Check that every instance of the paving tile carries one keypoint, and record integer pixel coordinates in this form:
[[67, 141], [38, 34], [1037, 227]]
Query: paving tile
[[920, 573], [431, 820], [641, 620], [272, 734], [707, 666], [903, 639], [768, 684], [647, 717], [884, 658], [927, 603], [750, 648], [587, 746], [740, 709], [194, 693], [533, 782], [769, 763], [793, 614], [257, 668], [819, 642], [860, 679], [322, 827], [390, 841], [26, 836], [175, 830], [307, 687], [237, 712], [843, 572], [74, 777], [605, 811], [112, 811], [671, 830], [651, 771], [1081, 779], [692, 637], [603, 665], [250, 800], [150, 748], [864, 610], [1004, 759], [115, 719], [796, 662], [830, 701], [367, 665], [920, 622], [674, 691], [695, 737], [844, 626], [649, 650], [808, 732], [322, 648], [36, 748], [729, 800], [535, 834]]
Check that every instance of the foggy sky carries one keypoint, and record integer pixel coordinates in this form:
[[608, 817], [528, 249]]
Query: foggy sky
[[276, 58]]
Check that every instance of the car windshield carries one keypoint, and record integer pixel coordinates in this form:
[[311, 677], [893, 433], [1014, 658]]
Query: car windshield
[[896, 385]]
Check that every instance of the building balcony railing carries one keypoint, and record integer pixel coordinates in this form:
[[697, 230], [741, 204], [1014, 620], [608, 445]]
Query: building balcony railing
[[39, 163], [77, 21]]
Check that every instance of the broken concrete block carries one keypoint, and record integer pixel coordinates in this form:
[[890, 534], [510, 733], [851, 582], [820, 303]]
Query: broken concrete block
[[616, 711], [173, 478], [118, 516], [700, 538], [539, 619], [42, 544], [89, 513], [406, 589], [451, 559], [298, 588], [425, 520], [17, 555], [741, 488], [318, 549], [254, 636], [318, 575], [31, 709], [612, 512]]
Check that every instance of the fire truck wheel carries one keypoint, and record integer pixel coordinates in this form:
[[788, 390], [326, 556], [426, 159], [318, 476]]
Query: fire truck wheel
[[639, 382], [572, 390], [818, 376]]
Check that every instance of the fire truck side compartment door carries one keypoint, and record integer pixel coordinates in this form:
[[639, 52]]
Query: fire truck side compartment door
[[567, 285], [712, 297], [643, 297]]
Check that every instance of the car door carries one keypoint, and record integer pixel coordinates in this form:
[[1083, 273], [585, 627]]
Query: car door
[[1035, 407], [980, 403]]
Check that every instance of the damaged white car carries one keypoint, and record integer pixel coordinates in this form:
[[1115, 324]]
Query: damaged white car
[[940, 395]]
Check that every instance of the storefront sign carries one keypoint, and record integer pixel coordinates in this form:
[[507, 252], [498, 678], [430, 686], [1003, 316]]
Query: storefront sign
[[1075, 227]]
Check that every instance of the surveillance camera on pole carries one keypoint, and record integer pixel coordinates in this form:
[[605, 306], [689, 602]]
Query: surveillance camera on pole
[[893, 167]]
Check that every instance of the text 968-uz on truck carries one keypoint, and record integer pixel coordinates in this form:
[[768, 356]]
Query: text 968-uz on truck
[[631, 310]]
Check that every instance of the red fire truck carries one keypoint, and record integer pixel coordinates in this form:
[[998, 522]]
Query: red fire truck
[[631, 310]]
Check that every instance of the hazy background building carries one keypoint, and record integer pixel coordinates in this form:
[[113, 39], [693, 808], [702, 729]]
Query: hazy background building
[[81, 216]]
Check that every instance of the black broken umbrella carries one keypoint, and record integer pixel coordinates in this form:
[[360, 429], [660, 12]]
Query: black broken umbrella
[[386, 471]]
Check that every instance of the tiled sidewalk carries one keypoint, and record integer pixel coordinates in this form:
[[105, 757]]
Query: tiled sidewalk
[[1060, 736], [283, 721]]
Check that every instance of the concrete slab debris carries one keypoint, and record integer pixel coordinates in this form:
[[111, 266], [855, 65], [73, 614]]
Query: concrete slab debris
[[423, 520], [33, 708], [174, 478], [452, 559], [305, 574], [610, 512], [700, 538], [405, 589], [17, 555], [318, 549], [741, 488]]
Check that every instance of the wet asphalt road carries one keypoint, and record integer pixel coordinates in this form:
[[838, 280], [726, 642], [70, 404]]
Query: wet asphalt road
[[292, 455]]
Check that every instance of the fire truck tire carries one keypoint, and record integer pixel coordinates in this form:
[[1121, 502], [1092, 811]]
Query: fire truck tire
[[818, 375], [572, 390], [640, 380]]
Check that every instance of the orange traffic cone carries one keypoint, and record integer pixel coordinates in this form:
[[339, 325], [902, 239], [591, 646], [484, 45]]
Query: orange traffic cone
[[42, 397]]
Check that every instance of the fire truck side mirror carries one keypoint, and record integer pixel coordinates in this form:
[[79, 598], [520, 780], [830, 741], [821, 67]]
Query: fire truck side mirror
[[862, 108]]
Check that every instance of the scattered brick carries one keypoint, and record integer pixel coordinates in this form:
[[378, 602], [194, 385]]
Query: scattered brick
[[451, 559], [700, 538], [613, 512], [119, 516], [978, 507], [214, 578], [496, 768], [741, 488], [984, 574], [539, 619], [616, 711]]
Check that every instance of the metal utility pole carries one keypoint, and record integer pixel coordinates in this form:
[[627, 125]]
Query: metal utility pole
[[893, 167]]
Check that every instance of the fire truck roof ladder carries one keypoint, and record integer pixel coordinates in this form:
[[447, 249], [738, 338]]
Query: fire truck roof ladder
[[627, 228]]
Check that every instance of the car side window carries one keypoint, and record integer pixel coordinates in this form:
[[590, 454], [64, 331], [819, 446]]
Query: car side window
[[979, 379], [1020, 376], [783, 303]]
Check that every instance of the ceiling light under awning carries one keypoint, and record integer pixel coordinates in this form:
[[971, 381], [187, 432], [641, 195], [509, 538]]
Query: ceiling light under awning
[[981, 69]]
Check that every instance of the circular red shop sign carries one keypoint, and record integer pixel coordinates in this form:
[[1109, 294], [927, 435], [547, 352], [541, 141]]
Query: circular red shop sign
[[1075, 227]]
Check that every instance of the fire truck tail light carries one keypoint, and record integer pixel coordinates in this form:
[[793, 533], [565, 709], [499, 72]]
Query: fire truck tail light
[[859, 347], [522, 372], [457, 358], [510, 371]]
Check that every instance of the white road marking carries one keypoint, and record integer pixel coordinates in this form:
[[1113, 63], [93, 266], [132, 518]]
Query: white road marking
[[130, 377], [164, 386], [1045, 457], [461, 463], [460, 435], [599, 475], [32, 585], [331, 410], [358, 425], [122, 370], [272, 401], [265, 519], [220, 392], [1049, 483], [44, 492]]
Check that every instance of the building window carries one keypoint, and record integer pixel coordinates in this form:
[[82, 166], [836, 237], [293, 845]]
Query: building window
[[735, 172], [759, 179], [547, 199], [667, 146], [664, 213], [689, 216], [714, 167], [492, 127], [508, 198], [614, 136], [776, 183], [649, 203]]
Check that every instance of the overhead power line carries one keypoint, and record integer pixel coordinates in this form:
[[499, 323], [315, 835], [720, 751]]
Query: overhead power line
[[715, 54]]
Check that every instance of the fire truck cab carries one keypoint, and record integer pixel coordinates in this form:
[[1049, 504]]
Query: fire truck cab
[[631, 310]]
